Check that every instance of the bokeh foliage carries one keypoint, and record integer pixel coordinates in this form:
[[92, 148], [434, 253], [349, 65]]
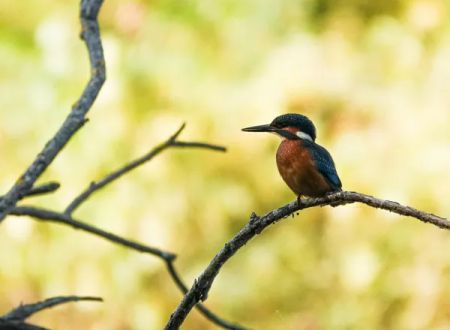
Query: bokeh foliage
[[374, 77]]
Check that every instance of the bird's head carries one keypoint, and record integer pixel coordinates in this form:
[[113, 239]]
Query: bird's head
[[291, 126]]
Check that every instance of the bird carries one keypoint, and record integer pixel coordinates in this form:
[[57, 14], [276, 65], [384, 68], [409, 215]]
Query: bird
[[306, 167]]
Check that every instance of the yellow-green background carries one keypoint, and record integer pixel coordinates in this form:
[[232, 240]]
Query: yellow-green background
[[373, 75]]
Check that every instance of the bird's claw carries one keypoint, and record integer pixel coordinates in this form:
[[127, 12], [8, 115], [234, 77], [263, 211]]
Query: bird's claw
[[299, 201]]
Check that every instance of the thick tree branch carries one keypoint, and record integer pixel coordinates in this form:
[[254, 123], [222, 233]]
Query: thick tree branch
[[171, 142], [15, 319], [200, 288], [168, 257], [91, 35]]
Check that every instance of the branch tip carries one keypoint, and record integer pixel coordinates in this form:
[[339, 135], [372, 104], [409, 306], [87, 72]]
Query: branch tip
[[177, 133], [44, 188]]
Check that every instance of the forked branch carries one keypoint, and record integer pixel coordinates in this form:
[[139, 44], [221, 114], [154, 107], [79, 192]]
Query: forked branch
[[168, 257], [171, 142], [66, 218], [90, 33], [24, 186]]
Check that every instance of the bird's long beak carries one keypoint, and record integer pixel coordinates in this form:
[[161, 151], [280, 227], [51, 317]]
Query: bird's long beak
[[260, 128], [267, 128]]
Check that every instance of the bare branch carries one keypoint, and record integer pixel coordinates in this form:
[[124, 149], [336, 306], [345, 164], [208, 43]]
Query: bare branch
[[90, 33], [200, 288], [61, 218], [178, 132], [42, 189], [25, 311], [18, 325], [168, 257], [170, 142], [76, 118], [182, 144], [15, 319], [205, 311]]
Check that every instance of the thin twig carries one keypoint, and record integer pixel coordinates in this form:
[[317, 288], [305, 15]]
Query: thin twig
[[61, 218], [41, 189], [91, 35], [168, 257], [183, 144], [15, 319], [200, 288], [23, 312], [169, 143]]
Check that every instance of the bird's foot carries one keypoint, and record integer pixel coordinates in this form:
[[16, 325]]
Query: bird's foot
[[300, 203]]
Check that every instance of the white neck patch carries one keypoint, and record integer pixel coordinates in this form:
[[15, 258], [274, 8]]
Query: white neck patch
[[303, 135]]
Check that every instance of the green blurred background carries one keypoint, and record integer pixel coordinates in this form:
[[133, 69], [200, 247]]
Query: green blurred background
[[373, 75]]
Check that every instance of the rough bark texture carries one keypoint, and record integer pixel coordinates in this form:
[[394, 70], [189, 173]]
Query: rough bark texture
[[200, 288]]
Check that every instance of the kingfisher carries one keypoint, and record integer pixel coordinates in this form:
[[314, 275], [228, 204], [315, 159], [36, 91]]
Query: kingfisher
[[306, 167]]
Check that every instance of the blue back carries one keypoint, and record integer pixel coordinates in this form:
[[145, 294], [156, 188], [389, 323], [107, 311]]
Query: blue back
[[324, 163]]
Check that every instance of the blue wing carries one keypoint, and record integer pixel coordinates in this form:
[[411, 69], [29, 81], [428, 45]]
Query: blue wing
[[324, 163]]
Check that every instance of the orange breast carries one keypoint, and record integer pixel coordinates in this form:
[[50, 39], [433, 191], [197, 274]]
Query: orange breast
[[297, 169]]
